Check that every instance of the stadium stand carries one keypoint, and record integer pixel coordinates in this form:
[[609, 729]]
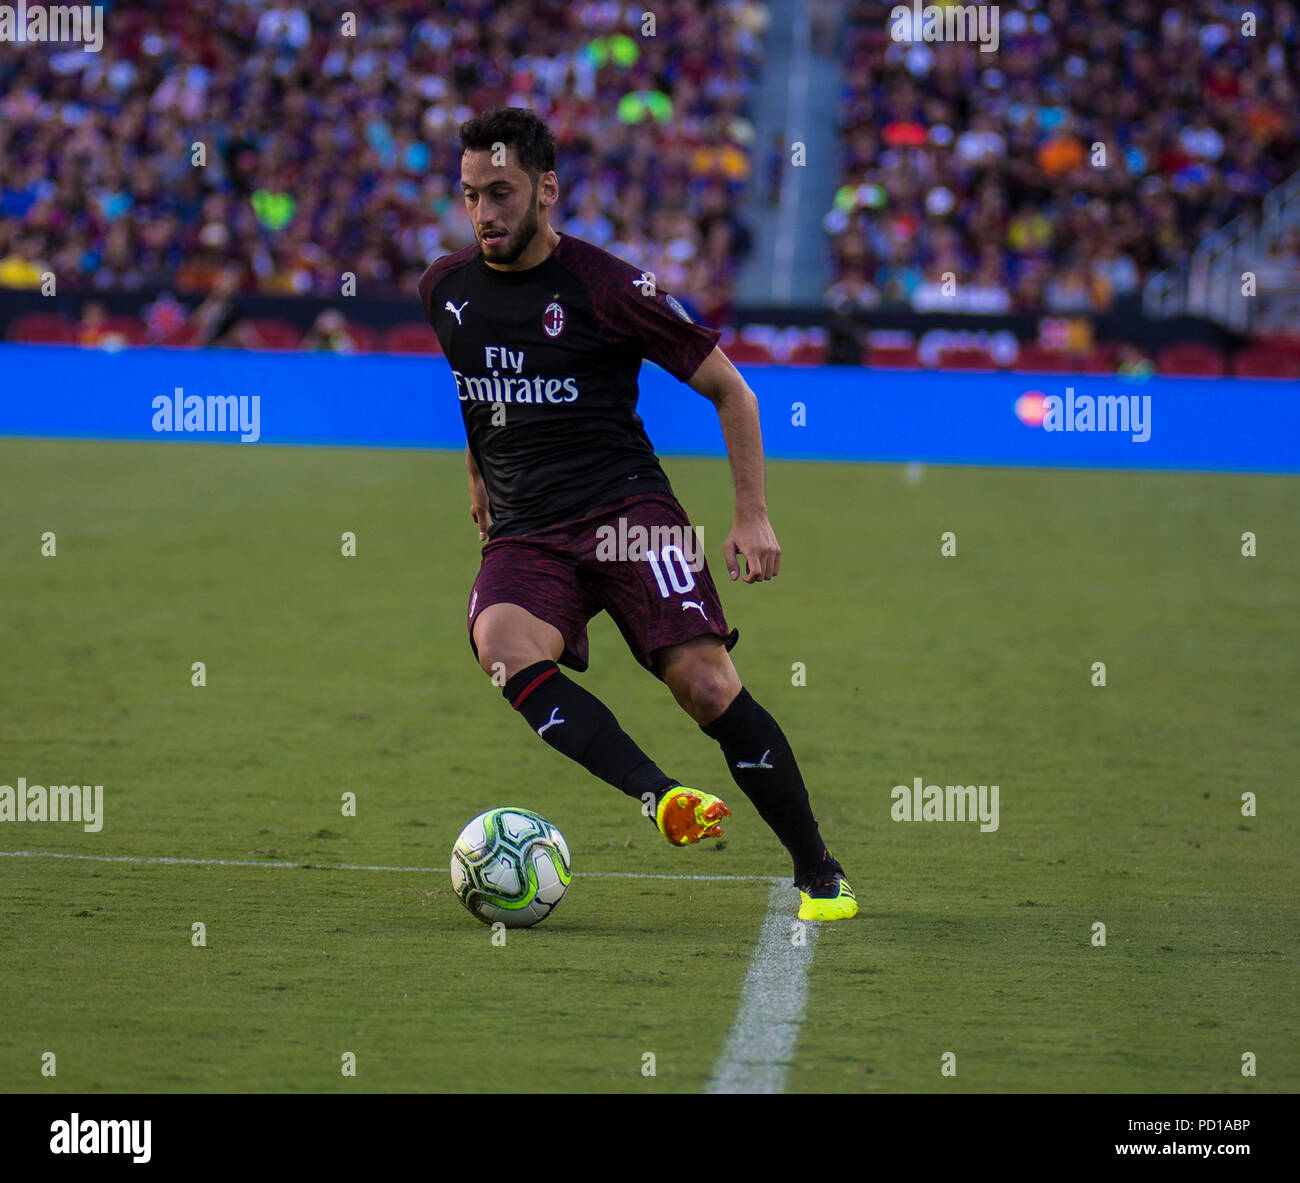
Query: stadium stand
[[983, 165], [327, 154], [411, 338]]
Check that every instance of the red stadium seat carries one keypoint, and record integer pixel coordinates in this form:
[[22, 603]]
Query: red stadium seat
[[1102, 358], [750, 353], [365, 338], [410, 338], [808, 353], [965, 359], [46, 328], [1264, 362], [1278, 343], [1190, 359], [1048, 361], [182, 337], [276, 334], [130, 328], [891, 358]]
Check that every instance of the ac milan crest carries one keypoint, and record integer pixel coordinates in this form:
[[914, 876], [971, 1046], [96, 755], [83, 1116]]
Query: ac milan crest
[[553, 319]]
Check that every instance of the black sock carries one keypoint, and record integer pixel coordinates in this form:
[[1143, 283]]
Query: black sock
[[750, 736], [577, 723]]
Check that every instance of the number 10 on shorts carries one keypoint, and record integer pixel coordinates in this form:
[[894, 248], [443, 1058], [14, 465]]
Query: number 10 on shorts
[[671, 561]]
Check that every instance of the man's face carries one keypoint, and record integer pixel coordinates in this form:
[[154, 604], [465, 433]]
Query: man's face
[[502, 205]]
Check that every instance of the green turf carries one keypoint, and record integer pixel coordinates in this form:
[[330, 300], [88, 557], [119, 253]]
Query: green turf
[[328, 675]]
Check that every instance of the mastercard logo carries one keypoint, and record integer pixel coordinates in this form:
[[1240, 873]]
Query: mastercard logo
[[1031, 408]]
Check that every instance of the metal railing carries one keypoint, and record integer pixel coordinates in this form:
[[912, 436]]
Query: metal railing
[[1212, 284]]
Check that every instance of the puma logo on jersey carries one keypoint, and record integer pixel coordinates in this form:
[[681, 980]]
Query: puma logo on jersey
[[692, 604], [762, 762], [450, 307], [553, 720]]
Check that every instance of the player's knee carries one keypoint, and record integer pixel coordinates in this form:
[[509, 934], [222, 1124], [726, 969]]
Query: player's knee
[[502, 662], [507, 639], [501, 656], [709, 692], [489, 661]]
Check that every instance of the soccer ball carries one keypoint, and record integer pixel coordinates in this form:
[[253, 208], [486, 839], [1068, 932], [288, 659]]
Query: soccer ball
[[510, 865]]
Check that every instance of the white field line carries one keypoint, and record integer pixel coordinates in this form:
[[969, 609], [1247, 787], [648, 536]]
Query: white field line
[[763, 1037], [224, 862], [762, 1040]]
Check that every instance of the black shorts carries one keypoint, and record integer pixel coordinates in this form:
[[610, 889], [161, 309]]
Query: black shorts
[[639, 559]]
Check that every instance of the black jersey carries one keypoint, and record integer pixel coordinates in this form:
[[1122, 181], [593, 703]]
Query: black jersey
[[545, 363]]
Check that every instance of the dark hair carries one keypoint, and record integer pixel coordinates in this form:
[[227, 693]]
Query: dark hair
[[524, 131]]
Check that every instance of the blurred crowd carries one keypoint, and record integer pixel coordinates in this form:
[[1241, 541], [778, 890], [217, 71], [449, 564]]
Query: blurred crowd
[[971, 181], [252, 146]]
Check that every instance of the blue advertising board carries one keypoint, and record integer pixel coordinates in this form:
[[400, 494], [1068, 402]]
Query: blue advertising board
[[808, 413]]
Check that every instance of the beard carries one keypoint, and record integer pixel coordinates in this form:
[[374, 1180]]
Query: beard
[[514, 244]]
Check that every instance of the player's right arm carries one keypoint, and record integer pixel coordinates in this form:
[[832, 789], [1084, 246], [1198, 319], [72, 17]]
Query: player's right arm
[[751, 533], [478, 498]]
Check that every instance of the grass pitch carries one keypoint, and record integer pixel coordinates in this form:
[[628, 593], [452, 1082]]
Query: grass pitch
[[326, 675]]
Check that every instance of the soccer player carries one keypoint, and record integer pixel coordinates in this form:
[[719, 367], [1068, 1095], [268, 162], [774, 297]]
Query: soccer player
[[545, 335]]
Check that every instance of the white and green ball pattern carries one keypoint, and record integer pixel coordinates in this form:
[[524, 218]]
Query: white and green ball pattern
[[510, 865]]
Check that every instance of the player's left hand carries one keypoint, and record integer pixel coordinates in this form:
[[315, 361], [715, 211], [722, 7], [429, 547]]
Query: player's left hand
[[755, 540]]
